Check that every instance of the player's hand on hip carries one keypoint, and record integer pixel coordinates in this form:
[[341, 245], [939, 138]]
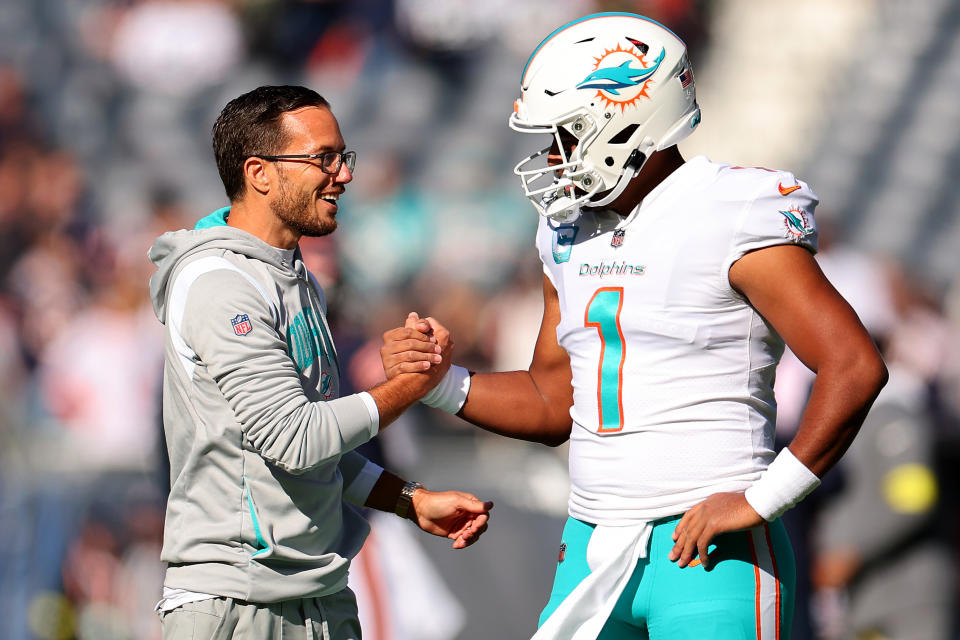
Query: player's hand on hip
[[411, 348], [461, 517], [720, 513]]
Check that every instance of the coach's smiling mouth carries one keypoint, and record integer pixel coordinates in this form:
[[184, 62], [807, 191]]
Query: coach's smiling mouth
[[330, 199]]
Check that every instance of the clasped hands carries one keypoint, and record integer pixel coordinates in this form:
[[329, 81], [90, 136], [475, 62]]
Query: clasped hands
[[421, 349]]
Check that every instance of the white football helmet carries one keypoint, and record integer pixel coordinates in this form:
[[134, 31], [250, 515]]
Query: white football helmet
[[622, 85]]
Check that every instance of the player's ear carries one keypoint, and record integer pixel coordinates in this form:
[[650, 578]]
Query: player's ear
[[257, 175]]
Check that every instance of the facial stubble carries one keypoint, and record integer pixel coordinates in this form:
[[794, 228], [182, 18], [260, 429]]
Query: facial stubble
[[299, 212]]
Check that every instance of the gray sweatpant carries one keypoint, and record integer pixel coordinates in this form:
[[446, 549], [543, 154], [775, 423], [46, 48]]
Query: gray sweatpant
[[332, 617]]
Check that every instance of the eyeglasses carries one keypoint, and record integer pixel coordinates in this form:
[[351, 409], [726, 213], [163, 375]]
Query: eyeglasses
[[330, 161]]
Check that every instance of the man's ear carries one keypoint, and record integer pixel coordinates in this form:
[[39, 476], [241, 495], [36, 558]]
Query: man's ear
[[256, 175]]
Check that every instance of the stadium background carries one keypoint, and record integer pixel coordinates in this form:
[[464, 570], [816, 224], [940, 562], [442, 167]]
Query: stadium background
[[105, 114]]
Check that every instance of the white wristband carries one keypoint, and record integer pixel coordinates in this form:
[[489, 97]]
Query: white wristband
[[786, 482], [452, 391]]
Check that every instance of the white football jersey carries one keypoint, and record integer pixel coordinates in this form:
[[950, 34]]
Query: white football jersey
[[673, 369]]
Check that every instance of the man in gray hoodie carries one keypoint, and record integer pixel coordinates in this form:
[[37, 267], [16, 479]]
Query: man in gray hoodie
[[261, 524]]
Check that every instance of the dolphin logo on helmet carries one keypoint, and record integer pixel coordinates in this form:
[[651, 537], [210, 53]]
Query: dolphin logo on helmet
[[612, 79]]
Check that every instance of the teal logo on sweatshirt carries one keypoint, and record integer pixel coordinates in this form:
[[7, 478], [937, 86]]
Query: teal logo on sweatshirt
[[307, 340]]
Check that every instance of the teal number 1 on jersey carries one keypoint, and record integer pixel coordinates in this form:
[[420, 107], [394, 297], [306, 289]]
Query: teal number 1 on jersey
[[603, 312]]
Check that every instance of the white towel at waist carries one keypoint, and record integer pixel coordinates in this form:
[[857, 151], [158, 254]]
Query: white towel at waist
[[612, 554]]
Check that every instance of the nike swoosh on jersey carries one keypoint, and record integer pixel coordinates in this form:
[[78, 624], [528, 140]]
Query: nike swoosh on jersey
[[786, 190]]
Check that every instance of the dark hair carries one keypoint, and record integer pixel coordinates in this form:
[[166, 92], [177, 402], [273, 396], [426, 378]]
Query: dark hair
[[250, 125]]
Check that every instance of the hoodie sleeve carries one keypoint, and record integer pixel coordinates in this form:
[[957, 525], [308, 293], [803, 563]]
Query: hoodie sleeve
[[231, 328], [359, 476]]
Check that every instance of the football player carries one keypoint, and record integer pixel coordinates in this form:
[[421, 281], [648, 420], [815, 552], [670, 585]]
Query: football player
[[669, 287]]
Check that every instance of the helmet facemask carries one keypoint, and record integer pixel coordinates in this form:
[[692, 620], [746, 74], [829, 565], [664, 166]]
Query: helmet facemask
[[558, 191]]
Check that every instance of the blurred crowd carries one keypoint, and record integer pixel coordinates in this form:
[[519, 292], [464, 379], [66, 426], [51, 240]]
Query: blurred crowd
[[105, 115]]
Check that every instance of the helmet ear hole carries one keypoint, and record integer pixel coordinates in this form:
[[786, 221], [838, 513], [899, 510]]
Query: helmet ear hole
[[624, 135], [608, 161]]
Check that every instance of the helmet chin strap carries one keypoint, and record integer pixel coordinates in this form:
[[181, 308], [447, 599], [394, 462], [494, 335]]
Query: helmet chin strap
[[614, 193], [631, 168], [565, 209]]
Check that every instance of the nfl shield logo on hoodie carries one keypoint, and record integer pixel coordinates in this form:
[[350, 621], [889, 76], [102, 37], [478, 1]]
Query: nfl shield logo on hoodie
[[241, 324]]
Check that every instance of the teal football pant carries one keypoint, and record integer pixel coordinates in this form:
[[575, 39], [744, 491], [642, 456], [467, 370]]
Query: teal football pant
[[747, 593]]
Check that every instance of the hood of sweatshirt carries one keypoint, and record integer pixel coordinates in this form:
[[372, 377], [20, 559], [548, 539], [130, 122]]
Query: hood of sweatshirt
[[173, 247]]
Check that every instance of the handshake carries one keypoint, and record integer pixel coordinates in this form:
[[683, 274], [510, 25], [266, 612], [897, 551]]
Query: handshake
[[419, 354]]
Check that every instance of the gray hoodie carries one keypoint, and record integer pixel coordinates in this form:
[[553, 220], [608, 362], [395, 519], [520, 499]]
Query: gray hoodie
[[260, 445]]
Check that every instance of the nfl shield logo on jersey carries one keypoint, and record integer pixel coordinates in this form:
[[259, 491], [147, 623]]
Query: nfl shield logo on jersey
[[241, 324], [617, 239]]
